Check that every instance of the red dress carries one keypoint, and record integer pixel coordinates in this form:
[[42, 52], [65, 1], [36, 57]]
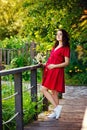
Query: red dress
[[53, 79]]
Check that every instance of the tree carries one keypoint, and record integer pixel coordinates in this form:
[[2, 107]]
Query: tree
[[10, 18], [40, 19], [43, 18]]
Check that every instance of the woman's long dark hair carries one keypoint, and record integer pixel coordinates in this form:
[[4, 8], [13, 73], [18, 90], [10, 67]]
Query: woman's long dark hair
[[65, 38]]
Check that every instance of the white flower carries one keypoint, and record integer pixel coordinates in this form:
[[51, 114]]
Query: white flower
[[40, 57]]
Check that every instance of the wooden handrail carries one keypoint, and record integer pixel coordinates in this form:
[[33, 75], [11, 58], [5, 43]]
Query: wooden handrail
[[17, 72]]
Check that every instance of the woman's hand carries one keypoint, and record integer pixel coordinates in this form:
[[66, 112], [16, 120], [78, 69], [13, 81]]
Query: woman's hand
[[42, 65], [51, 66], [64, 64]]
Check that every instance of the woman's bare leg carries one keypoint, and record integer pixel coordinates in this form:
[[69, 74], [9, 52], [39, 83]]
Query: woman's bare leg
[[55, 96], [48, 95]]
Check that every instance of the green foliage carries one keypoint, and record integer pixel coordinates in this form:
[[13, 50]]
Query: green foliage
[[26, 76], [8, 106], [78, 79], [82, 53], [14, 42], [24, 21], [76, 72], [10, 18], [19, 61], [35, 20], [39, 20]]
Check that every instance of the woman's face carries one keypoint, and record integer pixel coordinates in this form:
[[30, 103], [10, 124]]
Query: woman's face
[[59, 36]]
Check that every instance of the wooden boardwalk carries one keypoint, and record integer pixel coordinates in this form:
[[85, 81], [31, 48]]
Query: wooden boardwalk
[[73, 115]]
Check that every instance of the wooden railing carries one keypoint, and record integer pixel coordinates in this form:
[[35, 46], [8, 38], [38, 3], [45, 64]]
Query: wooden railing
[[6, 54], [17, 73]]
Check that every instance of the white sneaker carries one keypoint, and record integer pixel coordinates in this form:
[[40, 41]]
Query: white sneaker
[[58, 110], [52, 115]]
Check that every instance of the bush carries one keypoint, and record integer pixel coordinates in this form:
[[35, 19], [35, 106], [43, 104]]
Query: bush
[[78, 79], [8, 106]]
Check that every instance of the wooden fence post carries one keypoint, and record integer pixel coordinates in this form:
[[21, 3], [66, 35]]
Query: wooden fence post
[[0, 56], [1, 127], [27, 48], [8, 57], [32, 51], [34, 89], [4, 56], [18, 101]]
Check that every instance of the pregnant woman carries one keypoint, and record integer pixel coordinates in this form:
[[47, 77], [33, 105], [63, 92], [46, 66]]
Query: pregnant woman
[[53, 77]]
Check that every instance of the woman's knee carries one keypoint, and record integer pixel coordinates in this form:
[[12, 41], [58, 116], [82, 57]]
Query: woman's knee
[[54, 92], [43, 89]]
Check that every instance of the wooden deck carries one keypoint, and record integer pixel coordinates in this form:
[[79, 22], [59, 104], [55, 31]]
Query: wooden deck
[[73, 115]]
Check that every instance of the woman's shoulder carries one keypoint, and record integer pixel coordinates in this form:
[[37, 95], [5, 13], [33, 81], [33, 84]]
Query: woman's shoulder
[[66, 51]]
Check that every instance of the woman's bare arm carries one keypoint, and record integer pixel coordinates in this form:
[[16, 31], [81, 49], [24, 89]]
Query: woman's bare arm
[[64, 64]]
